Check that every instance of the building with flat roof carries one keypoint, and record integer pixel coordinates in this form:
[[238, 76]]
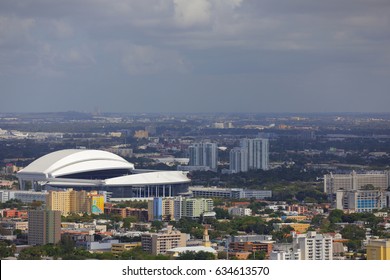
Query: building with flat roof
[[23, 196], [257, 152], [204, 154], [205, 247], [235, 193], [240, 211], [8, 227], [238, 158], [195, 207], [118, 248], [285, 255], [174, 208], [251, 155], [313, 246], [141, 214], [355, 181], [251, 238], [44, 227], [357, 192], [362, 200], [14, 213], [378, 249], [161, 242], [251, 247], [70, 201]]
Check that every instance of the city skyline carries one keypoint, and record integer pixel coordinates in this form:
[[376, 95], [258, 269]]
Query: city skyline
[[195, 56]]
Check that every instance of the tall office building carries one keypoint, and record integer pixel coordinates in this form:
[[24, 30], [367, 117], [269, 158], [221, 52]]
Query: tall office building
[[204, 154], [258, 152], [44, 227], [238, 160]]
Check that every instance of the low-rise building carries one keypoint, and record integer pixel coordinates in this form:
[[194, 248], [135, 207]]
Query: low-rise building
[[297, 208], [141, 214], [104, 245], [298, 227], [378, 249], [238, 211], [285, 255], [251, 247], [23, 196], [118, 248], [14, 213], [237, 193], [251, 238], [8, 227]]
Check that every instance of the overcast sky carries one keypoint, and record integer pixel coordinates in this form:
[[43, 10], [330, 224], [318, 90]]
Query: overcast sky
[[195, 55]]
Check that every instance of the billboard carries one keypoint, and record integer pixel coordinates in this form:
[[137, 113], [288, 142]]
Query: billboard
[[97, 204]]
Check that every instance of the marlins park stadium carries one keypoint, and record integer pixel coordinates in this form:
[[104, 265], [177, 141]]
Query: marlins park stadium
[[102, 171]]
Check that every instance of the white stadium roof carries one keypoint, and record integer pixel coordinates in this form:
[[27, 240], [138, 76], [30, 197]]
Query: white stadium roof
[[149, 178], [72, 161], [50, 167]]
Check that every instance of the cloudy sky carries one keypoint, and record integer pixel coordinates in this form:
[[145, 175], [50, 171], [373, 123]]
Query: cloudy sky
[[195, 55]]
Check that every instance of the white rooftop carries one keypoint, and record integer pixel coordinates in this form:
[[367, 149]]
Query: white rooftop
[[71, 161]]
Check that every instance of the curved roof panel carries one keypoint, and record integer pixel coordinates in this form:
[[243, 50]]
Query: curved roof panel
[[149, 178], [71, 161]]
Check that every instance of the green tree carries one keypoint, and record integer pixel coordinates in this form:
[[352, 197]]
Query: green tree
[[157, 225], [128, 220], [6, 250], [335, 216], [221, 213], [31, 253], [353, 232], [316, 220], [201, 255], [67, 245], [259, 255]]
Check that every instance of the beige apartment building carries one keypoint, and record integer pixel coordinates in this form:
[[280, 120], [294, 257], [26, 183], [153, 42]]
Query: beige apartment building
[[159, 243], [71, 201], [378, 249]]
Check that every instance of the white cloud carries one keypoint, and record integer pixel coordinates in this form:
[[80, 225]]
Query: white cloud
[[192, 13]]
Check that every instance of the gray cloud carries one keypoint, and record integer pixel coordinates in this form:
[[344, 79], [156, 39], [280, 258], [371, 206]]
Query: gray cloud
[[199, 55]]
